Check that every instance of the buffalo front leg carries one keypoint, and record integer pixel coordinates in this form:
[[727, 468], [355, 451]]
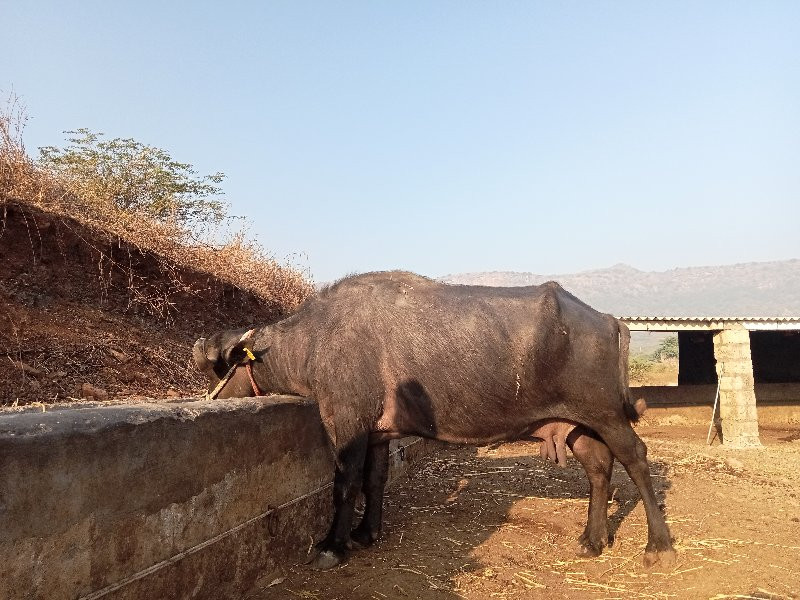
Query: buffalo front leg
[[598, 462], [631, 451], [332, 550], [376, 471]]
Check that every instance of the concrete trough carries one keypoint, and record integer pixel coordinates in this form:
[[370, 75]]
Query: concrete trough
[[190, 499]]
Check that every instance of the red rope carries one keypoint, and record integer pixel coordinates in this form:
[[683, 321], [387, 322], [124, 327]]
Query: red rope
[[256, 389]]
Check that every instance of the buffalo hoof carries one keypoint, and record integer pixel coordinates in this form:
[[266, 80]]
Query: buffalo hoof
[[662, 558], [589, 549], [325, 559], [362, 538]]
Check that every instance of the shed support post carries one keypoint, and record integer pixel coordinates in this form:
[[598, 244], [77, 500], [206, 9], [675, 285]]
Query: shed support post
[[737, 398]]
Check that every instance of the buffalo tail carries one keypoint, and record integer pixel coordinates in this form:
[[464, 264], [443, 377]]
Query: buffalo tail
[[633, 410]]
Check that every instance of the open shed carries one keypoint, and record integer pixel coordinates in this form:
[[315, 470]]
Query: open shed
[[735, 354]]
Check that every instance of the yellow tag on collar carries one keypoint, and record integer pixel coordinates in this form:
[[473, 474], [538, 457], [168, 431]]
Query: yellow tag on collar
[[250, 355]]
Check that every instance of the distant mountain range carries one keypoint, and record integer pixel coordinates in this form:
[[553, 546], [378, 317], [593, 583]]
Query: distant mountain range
[[763, 289]]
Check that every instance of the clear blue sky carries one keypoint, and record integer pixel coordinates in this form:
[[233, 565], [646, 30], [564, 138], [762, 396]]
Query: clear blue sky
[[445, 137]]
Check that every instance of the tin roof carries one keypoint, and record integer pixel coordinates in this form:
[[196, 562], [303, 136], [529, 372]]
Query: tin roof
[[706, 318], [667, 323]]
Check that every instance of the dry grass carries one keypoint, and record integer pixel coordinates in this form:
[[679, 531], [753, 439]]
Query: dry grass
[[643, 373], [237, 261]]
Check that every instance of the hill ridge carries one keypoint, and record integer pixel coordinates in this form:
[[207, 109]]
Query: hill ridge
[[748, 289]]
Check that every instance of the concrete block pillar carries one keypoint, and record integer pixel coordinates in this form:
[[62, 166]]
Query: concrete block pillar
[[737, 398]]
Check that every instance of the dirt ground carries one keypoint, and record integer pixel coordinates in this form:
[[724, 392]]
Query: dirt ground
[[498, 522]]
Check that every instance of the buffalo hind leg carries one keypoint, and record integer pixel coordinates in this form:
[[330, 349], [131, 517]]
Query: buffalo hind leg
[[631, 451], [332, 550], [597, 461], [376, 471]]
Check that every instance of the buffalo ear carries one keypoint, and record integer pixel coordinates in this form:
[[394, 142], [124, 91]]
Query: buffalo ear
[[205, 354], [236, 353]]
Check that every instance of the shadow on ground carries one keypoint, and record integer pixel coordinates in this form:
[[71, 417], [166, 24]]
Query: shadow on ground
[[438, 517]]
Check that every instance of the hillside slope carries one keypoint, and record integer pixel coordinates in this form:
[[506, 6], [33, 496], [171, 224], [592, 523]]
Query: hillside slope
[[748, 289], [83, 313]]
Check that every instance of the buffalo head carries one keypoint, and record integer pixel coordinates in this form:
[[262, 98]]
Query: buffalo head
[[216, 358]]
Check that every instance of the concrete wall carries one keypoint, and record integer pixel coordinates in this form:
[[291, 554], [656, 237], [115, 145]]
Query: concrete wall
[[691, 404], [163, 500]]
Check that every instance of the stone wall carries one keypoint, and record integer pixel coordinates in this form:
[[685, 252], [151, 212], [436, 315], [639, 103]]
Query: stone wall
[[737, 401]]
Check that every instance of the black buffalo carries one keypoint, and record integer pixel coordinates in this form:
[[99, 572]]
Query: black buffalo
[[393, 354]]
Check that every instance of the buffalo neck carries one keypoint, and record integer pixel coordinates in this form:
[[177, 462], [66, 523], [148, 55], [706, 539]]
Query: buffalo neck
[[285, 358]]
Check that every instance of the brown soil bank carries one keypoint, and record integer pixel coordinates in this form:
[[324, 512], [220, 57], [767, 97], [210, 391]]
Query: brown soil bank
[[83, 313]]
